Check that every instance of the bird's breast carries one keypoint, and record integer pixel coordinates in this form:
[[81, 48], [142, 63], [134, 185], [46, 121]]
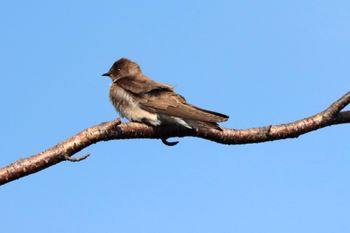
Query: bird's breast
[[127, 105], [122, 100]]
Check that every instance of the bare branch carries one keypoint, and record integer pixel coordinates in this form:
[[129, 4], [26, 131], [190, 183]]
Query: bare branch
[[116, 130]]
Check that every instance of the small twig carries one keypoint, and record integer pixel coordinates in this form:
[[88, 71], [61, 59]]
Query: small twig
[[77, 159]]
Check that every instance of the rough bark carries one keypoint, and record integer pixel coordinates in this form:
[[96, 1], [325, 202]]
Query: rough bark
[[116, 130]]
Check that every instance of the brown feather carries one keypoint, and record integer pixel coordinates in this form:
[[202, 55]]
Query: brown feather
[[172, 104], [140, 84]]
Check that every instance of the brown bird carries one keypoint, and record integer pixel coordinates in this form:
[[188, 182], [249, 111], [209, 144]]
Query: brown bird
[[141, 99]]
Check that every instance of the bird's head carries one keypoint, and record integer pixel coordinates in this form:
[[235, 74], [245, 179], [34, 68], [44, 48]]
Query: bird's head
[[122, 68]]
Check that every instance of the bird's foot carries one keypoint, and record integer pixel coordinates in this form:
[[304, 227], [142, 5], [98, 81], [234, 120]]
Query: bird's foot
[[166, 142], [118, 121]]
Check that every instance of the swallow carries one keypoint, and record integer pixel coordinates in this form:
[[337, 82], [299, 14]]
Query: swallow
[[140, 99]]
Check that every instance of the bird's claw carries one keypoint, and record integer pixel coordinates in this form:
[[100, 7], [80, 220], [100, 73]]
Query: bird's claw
[[166, 142]]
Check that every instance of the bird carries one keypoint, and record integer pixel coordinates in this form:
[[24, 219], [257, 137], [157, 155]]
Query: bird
[[140, 99]]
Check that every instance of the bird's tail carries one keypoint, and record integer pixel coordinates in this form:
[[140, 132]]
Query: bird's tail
[[203, 124], [212, 116]]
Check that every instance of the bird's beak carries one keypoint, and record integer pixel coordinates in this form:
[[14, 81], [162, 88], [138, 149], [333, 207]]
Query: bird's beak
[[106, 74]]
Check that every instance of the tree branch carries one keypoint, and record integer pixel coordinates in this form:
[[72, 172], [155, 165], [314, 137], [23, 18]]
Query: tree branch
[[116, 130]]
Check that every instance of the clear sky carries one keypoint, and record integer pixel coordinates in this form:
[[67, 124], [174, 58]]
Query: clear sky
[[260, 62]]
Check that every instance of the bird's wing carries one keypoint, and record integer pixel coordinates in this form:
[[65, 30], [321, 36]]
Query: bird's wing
[[171, 104], [141, 85]]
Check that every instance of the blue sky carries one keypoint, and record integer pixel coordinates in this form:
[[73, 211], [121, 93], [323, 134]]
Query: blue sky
[[261, 62]]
